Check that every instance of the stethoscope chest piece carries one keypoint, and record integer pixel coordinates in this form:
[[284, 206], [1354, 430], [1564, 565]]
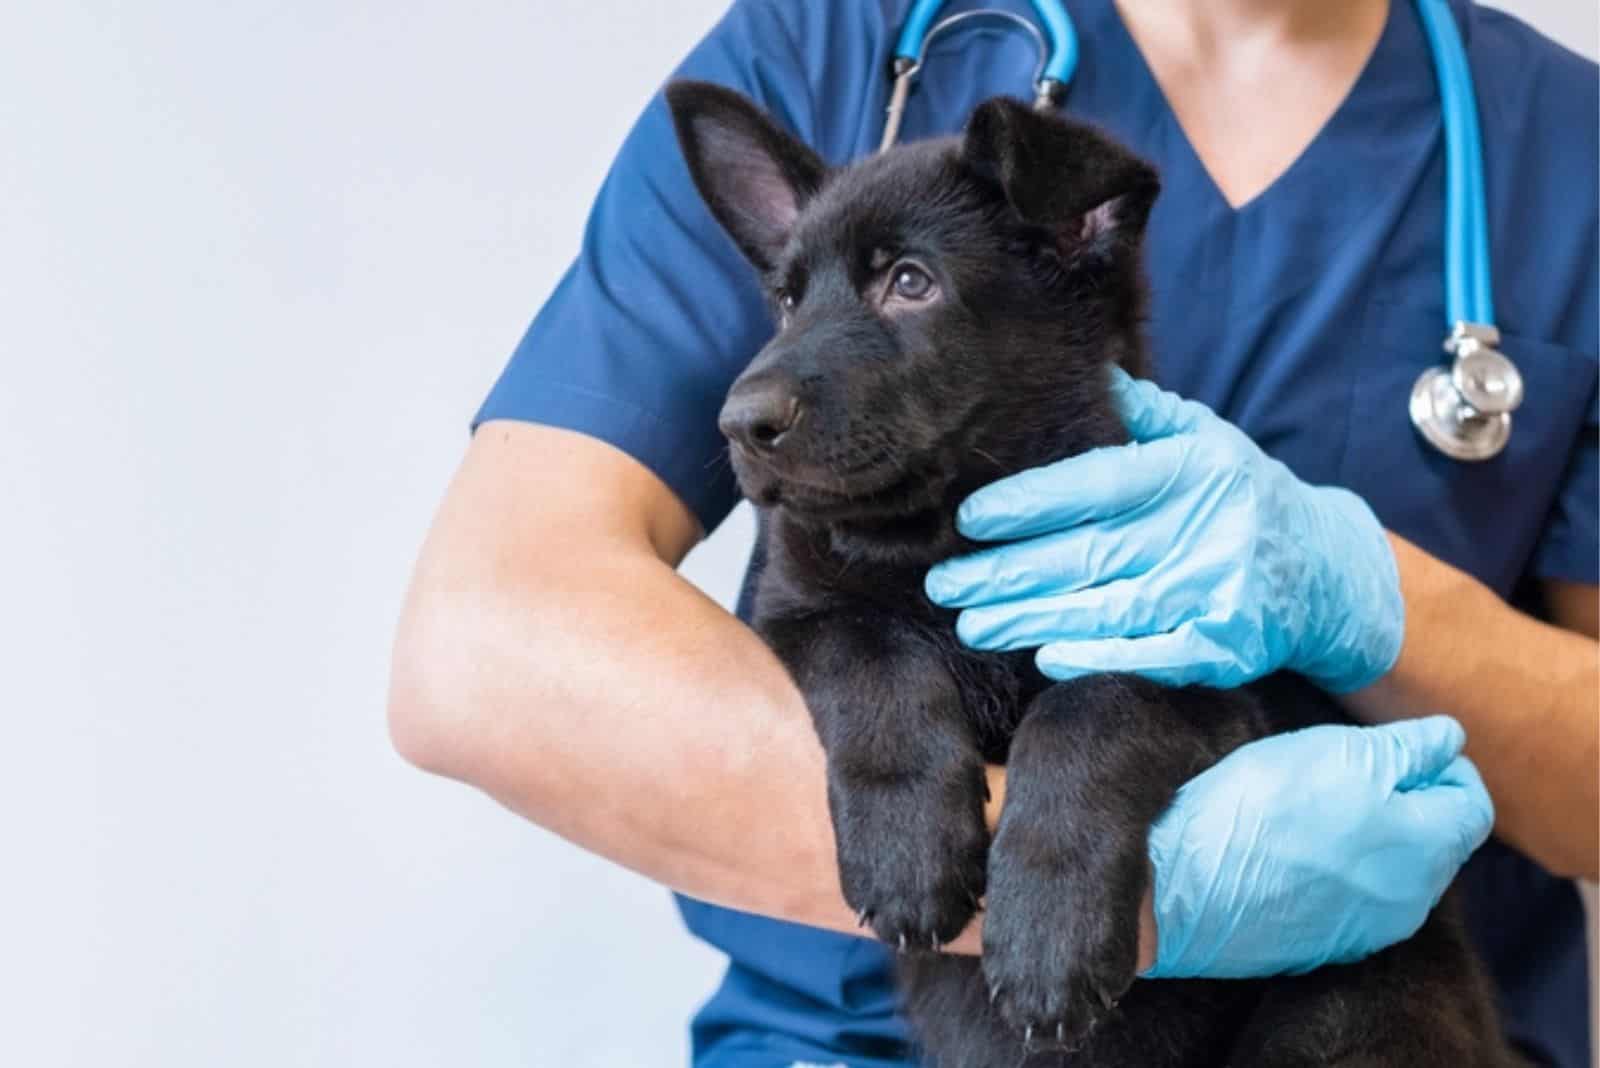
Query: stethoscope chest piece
[[1465, 410]]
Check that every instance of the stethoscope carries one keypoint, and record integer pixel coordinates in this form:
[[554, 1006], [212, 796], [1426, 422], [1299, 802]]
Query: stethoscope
[[1464, 410]]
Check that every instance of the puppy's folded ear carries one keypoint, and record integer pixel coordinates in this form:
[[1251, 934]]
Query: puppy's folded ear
[[753, 175], [1067, 176]]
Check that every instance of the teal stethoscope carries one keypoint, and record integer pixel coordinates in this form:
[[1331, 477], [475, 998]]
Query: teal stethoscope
[[1464, 410]]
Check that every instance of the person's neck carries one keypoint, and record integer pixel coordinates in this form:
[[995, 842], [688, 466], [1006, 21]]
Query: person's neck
[[1215, 27], [1252, 81]]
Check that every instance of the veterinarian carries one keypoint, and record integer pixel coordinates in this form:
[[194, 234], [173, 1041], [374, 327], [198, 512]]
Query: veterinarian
[[550, 655]]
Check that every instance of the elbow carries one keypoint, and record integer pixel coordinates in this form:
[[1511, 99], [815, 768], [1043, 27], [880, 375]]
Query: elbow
[[419, 731], [434, 718], [1579, 863], [415, 729], [1565, 852]]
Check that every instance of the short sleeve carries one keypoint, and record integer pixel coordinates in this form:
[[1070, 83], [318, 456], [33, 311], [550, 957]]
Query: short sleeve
[[1569, 548], [659, 313]]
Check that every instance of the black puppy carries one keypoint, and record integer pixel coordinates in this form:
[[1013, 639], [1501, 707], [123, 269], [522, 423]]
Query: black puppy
[[946, 314]]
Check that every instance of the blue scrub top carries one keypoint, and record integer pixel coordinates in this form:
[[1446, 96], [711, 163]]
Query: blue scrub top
[[1302, 316]]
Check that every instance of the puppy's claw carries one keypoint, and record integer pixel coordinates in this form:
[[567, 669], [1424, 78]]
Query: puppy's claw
[[1027, 1038], [864, 917], [994, 992], [902, 941], [1061, 1033]]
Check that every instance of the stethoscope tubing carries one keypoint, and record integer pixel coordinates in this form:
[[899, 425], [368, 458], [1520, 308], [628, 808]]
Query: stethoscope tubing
[[1060, 61], [1063, 61], [1469, 296]]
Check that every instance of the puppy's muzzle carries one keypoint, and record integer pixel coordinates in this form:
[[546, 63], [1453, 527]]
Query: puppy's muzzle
[[760, 412]]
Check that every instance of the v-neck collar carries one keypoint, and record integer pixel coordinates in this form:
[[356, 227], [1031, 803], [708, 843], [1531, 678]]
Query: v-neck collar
[[1143, 95]]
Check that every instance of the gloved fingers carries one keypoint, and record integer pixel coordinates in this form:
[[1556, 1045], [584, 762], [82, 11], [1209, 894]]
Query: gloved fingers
[[1413, 752], [1457, 806], [1463, 774], [1095, 485], [1183, 656], [1061, 562], [1147, 604], [1150, 412]]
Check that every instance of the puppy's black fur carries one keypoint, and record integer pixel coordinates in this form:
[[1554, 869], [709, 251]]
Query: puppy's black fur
[[947, 312]]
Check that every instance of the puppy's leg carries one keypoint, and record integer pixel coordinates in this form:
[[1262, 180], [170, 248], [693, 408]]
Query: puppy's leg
[[905, 778], [1092, 766]]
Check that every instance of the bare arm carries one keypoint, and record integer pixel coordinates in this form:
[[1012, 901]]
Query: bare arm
[[1525, 690], [549, 655]]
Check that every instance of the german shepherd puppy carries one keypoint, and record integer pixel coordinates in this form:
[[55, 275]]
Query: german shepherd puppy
[[946, 313]]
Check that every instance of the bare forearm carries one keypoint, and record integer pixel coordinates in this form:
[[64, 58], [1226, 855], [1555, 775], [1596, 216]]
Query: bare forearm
[[1524, 690], [549, 655], [619, 708]]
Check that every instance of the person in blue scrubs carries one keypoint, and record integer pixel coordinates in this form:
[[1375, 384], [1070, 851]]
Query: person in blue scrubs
[[1301, 316]]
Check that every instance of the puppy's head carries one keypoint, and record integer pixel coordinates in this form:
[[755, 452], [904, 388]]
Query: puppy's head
[[945, 311]]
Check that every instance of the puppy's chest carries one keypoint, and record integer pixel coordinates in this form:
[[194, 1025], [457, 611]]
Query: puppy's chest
[[996, 689]]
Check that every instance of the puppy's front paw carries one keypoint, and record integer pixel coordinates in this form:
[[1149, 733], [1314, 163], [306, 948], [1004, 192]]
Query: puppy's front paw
[[1060, 945], [912, 854]]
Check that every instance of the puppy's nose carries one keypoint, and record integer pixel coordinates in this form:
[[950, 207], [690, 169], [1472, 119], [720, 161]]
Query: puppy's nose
[[759, 413]]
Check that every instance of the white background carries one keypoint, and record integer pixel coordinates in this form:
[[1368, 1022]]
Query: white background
[[258, 264]]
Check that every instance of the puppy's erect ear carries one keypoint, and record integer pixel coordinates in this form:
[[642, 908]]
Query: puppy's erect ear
[[1065, 175], [753, 175]]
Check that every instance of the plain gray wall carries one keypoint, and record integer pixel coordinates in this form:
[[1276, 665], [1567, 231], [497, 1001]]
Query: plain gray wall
[[258, 264]]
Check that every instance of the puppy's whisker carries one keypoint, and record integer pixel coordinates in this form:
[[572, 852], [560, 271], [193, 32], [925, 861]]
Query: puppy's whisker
[[979, 452]]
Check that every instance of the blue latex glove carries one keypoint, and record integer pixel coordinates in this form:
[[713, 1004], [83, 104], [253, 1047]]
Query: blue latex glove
[[1189, 556], [1317, 847]]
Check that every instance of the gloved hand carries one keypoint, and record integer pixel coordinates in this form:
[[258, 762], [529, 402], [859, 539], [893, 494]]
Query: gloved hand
[[1189, 556], [1316, 847]]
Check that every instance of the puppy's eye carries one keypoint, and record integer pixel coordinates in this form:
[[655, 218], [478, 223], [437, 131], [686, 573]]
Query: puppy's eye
[[910, 282]]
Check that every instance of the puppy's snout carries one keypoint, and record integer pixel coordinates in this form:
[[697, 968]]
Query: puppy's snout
[[759, 414]]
